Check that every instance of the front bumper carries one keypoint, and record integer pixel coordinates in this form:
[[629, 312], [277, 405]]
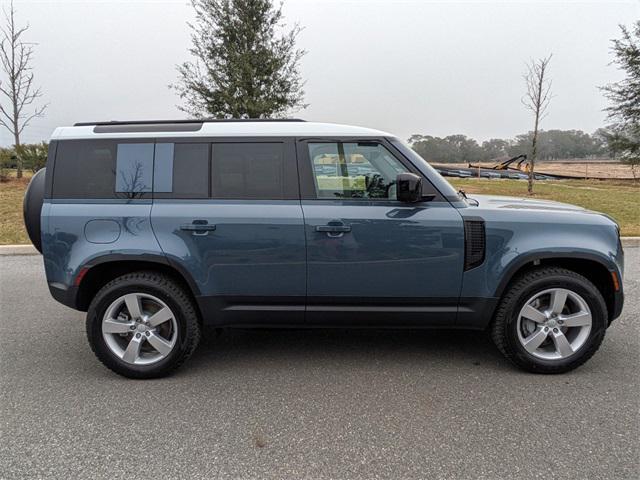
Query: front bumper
[[618, 304]]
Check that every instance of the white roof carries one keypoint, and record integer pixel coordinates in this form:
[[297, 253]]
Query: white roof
[[229, 129]]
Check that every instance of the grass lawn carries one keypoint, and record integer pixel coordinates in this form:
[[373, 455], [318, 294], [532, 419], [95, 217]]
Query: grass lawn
[[620, 200], [12, 230]]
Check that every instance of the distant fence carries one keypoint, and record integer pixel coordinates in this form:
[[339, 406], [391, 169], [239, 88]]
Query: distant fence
[[556, 170]]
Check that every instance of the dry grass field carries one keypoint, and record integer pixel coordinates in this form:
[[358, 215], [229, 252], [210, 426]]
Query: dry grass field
[[587, 169], [11, 227], [575, 168]]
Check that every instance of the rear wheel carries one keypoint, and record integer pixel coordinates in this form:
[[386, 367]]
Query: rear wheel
[[551, 320], [142, 325]]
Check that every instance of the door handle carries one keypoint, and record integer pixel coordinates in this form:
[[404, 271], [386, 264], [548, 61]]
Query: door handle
[[334, 229], [198, 227]]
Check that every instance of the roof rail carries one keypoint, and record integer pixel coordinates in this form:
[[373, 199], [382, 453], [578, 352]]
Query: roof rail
[[195, 120]]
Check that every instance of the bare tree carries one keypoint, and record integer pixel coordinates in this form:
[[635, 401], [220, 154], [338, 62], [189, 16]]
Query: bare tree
[[17, 109], [537, 100]]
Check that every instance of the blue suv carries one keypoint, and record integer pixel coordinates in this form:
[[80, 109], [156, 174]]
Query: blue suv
[[159, 228]]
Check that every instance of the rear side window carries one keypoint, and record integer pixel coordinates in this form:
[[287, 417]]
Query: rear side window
[[248, 171], [85, 169], [108, 169], [134, 169], [181, 170]]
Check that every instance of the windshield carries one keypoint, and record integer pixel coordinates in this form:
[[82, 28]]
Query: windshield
[[431, 173]]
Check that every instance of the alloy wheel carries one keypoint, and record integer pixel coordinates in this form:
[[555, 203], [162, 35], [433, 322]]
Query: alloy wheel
[[554, 324], [139, 328]]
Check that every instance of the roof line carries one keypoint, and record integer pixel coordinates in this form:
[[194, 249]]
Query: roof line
[[181, 121]]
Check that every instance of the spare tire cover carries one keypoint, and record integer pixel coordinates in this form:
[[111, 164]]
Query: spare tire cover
[[32, 205]]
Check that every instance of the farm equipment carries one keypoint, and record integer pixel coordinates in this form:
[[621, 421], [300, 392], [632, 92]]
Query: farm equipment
[[506, 165], [504, 169]]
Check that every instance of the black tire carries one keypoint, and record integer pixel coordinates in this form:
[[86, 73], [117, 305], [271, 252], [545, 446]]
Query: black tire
[[504, 332], [32, 206], [165, 289]]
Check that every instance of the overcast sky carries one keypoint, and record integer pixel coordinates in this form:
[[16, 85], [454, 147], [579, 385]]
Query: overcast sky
[[405, 66]]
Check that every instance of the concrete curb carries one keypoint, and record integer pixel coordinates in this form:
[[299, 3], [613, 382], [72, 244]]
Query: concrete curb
[[631, 241], [627, 242], [18, 250]]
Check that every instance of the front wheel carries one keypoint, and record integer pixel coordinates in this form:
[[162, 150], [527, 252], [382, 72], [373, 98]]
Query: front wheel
[[142, 325], [551, 320]]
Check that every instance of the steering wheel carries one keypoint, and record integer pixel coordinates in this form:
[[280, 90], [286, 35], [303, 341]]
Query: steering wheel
[[375, 185], [389, 185]]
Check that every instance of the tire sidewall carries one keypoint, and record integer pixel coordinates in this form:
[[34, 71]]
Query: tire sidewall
[[587, 291], [106, 297]]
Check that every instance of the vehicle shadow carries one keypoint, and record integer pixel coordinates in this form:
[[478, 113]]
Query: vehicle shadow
[[346, 347]]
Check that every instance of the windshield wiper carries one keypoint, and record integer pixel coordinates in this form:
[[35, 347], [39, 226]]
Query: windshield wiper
[[472, 201]]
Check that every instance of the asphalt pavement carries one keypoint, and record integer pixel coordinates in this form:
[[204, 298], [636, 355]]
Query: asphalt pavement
[[300, 404]]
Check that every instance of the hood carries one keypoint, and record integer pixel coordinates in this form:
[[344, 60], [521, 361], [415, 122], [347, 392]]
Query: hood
[[516, 203]]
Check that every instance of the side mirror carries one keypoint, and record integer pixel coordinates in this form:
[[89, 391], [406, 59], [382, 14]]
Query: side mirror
[[409, 187]]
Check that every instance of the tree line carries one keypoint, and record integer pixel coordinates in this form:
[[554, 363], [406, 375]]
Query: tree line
[[551, 145]]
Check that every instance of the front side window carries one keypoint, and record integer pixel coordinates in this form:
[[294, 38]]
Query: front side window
[[354, 170]]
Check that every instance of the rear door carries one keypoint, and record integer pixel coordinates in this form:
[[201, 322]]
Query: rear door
[[228, 213], [370, 258]]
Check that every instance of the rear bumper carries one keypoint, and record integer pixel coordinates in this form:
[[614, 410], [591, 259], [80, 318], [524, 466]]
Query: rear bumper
[[65, 295]]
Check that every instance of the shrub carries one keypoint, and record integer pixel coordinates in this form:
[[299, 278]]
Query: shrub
[[34, 155], [5, 163]]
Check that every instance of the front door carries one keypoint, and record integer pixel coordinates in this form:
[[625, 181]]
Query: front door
[[370, 258]]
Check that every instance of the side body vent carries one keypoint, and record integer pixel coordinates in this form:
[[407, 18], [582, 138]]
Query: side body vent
[[474, 243]]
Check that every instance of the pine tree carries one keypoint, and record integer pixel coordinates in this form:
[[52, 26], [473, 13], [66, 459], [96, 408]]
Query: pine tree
[[245, 65], [623, 135]]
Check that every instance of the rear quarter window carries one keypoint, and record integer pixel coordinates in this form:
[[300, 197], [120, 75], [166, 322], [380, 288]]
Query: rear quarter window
[[85, 169], [103, 169]]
